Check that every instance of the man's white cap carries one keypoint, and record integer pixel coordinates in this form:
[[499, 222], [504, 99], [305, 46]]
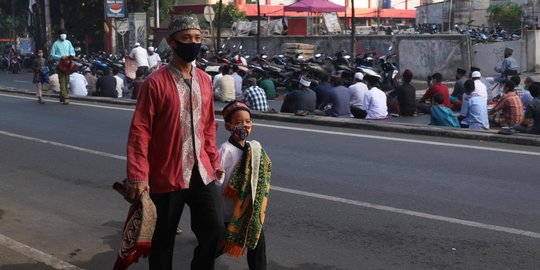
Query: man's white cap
[[150, 49], [305, 82], [359, 75], [137, 44], [476, 74]]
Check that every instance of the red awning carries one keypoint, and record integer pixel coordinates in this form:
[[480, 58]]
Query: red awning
[[314, 6]]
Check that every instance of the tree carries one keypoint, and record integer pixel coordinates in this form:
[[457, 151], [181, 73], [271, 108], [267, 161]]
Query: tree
[[508, 15], [6, 20], [230, 14]]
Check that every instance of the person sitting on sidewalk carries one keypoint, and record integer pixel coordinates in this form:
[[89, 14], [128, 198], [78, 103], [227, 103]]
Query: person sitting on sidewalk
[[488, 82], [509, 111], [137, 84], [106, 85], [375, 99], [526, 97], [358, 92], [474, 109], [406, 95], [340, 98], [269, 88], [323, 92], [224, 91], [301, 100], [479, 87], [532, 112], [436, 88], [441, 115], [77, 84], [456, 98], [255, 97]]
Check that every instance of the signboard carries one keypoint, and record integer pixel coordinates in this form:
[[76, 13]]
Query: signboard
[[332, 23], [115, 8], [209, 13]]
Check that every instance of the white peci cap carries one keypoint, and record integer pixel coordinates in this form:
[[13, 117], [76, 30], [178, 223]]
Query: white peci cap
[[476, 74]]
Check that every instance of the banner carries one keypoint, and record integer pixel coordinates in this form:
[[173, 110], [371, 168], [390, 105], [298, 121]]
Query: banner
[[115, 8]]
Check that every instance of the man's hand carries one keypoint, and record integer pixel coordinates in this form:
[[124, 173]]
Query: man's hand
[[219, 173], [134, 191]]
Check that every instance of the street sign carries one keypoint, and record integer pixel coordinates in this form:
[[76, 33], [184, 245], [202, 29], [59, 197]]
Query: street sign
[[115, 8], [209, 13]]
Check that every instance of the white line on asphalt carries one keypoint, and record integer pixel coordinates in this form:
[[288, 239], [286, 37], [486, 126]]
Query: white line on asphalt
[[35, 254], [22, 81], [327, 197], [466, 146]]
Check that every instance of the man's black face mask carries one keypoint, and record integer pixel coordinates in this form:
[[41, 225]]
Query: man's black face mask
[[187, 51]]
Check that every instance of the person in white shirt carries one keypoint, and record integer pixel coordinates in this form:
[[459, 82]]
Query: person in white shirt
[[77, 84], [154, 61], [225, 92], [358, 92], [141, 57], [215, 80], [375, 99], [479, 87], [54, 83], [120, 86]]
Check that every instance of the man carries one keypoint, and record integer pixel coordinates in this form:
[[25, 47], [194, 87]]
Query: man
[[106, 85], [508, 67], [526, 97], [300, 101], [532, 112], [120, 86], [255, 97], [91, 80], [141, 57], [406, 95], [215, 80], [436, 88], [237, 82], [358, 91], [488, 82], [456, 98], [509, 111], [323, 92], [77, 84], [225, 90], [474, 109], [479, 87], [62, 49], [375, 99], [269, 88], [172, 153], [441, 115], [154, 61], [340, 98]]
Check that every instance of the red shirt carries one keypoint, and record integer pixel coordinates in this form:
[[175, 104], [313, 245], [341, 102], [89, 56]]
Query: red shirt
[[438, 88], [160, 145]]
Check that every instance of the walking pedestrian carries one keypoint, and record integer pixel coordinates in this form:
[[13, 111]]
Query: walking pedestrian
[[41, 75], [172, 150], [141, 57], [61, 52], [244, 208]]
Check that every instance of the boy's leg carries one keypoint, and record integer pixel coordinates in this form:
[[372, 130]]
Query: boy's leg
[[206, 221], [169, 208], [256, 258]]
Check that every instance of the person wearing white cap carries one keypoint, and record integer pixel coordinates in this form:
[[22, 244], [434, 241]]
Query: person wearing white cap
[[154, 61], [302, 100], [479, 87], [358, 92], [172, 153], [375, 99], [141, 57]]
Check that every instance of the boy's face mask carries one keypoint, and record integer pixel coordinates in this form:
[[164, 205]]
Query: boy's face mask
[[242, 131]]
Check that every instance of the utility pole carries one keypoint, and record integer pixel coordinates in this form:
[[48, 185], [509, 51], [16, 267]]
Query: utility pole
[[378, 14], [13, 20], [218, 35], [48, 30], [157, 13], [450, 17], [353, 29], [258, 27]]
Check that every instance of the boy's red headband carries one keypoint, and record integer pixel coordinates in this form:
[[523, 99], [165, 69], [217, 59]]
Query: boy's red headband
[[229, 109]]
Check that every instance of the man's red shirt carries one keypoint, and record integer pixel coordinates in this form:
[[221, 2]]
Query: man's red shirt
[[438, 88]]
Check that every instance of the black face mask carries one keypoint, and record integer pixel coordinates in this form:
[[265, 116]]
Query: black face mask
[[187, 51]]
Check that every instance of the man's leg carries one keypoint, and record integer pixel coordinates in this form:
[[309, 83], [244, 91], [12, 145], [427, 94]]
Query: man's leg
[[206, 221], [256, 258], [169, 208], [64, 81]]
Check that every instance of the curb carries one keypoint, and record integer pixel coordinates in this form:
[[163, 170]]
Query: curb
[[376, 125]]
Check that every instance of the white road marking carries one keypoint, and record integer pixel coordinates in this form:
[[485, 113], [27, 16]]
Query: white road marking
[[22, 81], [35, 254], [326, 197]]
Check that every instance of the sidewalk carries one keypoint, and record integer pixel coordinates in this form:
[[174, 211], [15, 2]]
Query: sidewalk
[[412, 125]]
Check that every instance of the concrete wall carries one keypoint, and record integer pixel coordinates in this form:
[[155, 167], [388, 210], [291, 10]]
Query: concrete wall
[[533, 51], [488, 56]]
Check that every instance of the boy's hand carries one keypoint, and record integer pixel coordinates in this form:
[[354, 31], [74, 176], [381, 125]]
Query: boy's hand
[[219, 173]]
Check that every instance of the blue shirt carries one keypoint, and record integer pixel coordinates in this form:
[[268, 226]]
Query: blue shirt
[[474, 109], [62, 48], [442, 116]]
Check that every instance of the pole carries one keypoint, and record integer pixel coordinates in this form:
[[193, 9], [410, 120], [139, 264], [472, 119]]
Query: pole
[[157, 13], [353, 29], [13, 20], [378, 14], [48, 30], [258, 27], [218, 35], [450, 16]]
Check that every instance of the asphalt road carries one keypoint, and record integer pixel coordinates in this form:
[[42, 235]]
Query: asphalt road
[[341, 199]]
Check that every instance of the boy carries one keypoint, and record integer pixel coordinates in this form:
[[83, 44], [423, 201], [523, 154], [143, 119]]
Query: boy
[[441, 115], [244, 224], [41, 75]]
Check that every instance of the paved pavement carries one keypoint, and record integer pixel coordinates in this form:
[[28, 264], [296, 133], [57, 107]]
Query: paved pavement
[[413, 125]]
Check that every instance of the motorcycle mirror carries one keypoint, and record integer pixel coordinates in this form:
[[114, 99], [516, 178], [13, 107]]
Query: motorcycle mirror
[[347, 57], [240, 47], [318, 55], [223, 46], [390, 48], [264, 56]]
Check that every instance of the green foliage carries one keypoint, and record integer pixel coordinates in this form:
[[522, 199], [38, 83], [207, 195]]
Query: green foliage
[[508, 15], [230, 14], [6, 20]]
